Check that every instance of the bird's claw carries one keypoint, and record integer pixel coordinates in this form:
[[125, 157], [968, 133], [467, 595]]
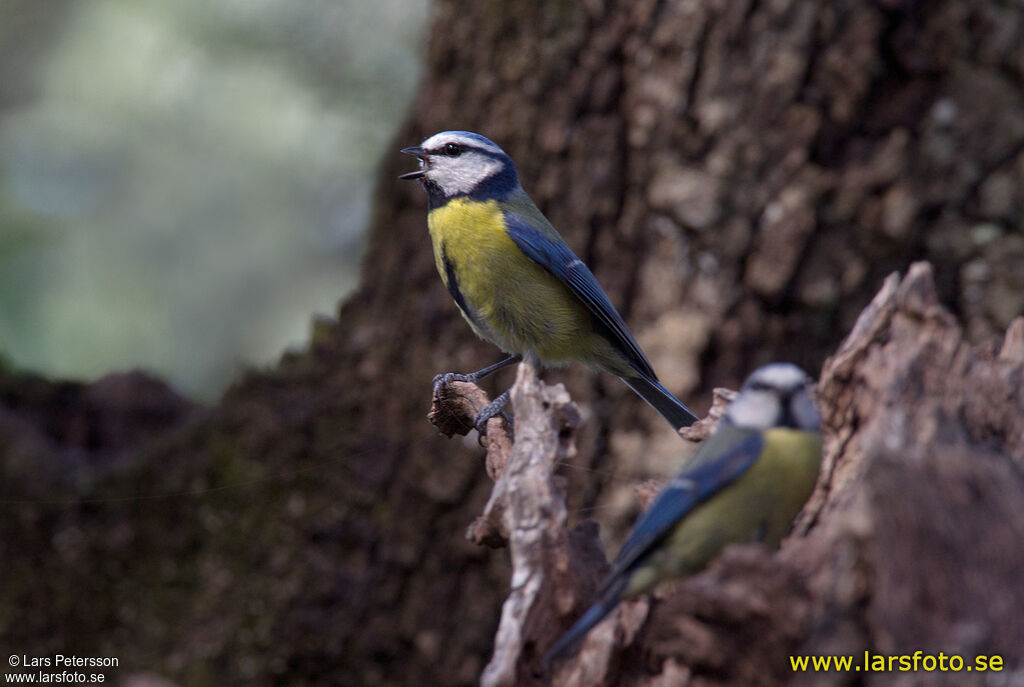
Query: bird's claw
[[495, 407], [446, 379], [492, 409]]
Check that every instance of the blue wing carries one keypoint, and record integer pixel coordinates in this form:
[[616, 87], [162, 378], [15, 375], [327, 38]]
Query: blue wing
[[708, 475], [556, 257], [692, 487]]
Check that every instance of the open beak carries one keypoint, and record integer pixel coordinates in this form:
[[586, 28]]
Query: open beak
[[422, 155]]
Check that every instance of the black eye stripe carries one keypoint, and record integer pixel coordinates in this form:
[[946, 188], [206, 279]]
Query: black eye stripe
[[455, 149], [763, 386]]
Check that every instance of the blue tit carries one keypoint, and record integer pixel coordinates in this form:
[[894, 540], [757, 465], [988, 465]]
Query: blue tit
[[746, 483], [515, 280]]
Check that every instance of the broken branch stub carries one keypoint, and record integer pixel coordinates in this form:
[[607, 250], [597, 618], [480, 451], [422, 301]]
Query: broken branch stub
[[453, 410]]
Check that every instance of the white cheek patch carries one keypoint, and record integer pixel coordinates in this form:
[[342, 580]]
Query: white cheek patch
[[755, 409], [462, 174]]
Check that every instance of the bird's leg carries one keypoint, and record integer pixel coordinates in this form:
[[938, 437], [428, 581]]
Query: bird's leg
[[495, 407], [447, 378]]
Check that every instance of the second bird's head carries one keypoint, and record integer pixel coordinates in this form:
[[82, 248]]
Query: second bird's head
[[460, 163], [775, 395]]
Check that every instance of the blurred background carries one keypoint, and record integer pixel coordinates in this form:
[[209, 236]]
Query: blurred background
[[184, 183]]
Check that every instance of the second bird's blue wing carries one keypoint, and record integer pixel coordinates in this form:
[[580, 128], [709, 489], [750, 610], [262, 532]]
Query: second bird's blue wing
[[691, 488], [557, 258]]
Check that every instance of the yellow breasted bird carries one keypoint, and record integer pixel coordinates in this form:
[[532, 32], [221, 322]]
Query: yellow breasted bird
[[513, 277], [746, 483]]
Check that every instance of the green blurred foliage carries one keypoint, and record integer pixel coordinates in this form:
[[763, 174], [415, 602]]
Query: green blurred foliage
[[184, 183]]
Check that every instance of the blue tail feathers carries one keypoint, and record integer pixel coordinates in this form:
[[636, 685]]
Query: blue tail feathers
[[662, 400], [595, 614]]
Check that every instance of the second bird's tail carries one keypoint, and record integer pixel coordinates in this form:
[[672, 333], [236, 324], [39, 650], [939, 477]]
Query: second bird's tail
[[662, 400], [609, 599]]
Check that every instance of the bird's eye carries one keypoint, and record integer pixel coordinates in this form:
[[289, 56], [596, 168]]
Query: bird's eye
[[452, 149]]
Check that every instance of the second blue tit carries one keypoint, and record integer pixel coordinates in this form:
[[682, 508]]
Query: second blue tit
[[746, 483], [513, 277]]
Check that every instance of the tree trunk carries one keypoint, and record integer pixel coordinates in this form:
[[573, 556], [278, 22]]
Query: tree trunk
[[741, 177]]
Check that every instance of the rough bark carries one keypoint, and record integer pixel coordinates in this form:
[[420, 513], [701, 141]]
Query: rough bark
[[741, 176]]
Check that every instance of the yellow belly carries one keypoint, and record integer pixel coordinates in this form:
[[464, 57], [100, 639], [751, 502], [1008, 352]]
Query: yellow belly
[[513, 302]]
